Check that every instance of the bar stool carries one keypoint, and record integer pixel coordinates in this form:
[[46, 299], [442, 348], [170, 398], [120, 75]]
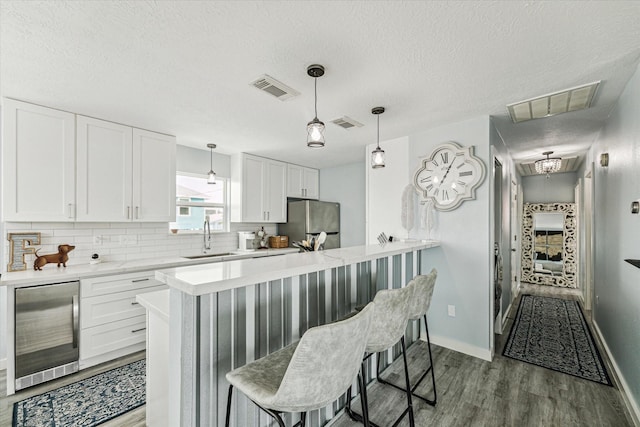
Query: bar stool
[[309, 374], [388, 325], [423, 291]]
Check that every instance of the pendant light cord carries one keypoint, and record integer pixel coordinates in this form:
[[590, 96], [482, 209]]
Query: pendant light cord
[[378, 130], [315, 96], [211, 159]]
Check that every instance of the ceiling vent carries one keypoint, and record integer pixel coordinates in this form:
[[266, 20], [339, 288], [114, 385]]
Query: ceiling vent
[[577, 98], [273, 87], [347, 123]]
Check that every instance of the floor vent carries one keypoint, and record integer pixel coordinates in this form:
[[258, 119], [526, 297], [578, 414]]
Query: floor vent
[[347, 122], [275, 88]]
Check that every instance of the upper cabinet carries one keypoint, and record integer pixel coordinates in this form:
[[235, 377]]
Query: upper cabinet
[[302, 182], [38, 163], [86, 169], [124, 174], [258, 189]]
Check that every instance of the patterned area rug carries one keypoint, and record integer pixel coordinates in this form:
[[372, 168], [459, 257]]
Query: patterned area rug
[[89, 402], [553, 333]]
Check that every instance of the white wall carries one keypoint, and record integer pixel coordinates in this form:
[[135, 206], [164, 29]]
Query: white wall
[[463, 260], [617, 283], [346, 185], [559, 187]]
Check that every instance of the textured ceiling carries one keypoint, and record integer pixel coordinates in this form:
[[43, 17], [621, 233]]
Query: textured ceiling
[[184, 68]]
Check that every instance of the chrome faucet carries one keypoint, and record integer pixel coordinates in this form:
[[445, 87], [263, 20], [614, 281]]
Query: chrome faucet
[[206, 234]]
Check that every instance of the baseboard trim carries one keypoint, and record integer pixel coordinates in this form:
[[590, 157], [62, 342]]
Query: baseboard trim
[[630, 403], [506, 314], [461, 347], [3, 364]]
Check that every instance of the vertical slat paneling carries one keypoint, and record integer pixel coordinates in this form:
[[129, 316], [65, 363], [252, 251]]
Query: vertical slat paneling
[[312, 300], [239, 326], [275, 316], [224, 346]]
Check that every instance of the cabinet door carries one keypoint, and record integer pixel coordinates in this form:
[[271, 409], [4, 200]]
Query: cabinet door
[[154, 177], [104, 170], [275, 191], [253, 182], [310, 183], [38, 163], [294, 181]]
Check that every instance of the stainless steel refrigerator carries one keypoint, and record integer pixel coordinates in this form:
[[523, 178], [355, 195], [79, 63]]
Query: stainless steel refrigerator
[[308, 218]]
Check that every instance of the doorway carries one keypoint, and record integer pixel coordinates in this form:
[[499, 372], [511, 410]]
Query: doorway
[[497, 246]]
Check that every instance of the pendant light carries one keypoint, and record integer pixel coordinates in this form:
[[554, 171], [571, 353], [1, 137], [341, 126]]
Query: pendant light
[[315, 128], [548, 165], [212, 175], [377, 155]]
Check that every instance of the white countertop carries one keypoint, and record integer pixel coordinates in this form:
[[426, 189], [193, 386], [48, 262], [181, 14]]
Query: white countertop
[[156, 302], [210, 278], [53, 274]]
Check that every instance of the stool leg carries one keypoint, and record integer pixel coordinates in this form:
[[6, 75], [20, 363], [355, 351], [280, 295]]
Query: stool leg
[[408, 384], [275, 416], [433, 375], [303, 419], [226, 423], [422, 377]]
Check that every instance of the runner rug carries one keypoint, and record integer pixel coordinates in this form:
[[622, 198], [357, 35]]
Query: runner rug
[[553, 333], [89, 402]]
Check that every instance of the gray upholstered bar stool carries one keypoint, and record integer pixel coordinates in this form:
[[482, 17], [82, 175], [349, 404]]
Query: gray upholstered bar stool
[[309, 374], [390, 318], [423, 291]]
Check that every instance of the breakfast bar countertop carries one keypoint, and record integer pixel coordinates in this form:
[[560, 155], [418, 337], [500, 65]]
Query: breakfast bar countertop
[[209, 278]]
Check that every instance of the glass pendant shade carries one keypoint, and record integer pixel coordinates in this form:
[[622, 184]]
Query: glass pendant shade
[[548, 165], [377, 158], [315, 133], [211, 179]]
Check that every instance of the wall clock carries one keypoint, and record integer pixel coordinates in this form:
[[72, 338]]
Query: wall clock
[[449, 176]]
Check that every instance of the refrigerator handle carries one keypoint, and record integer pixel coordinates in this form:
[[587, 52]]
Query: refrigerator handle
[[76, 321]]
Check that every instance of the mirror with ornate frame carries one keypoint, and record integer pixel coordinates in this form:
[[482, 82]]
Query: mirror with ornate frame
[[549, 244]]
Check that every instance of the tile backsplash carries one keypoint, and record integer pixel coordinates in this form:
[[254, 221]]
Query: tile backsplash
[[118, 241]]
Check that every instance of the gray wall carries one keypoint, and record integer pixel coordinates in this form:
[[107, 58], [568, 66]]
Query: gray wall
[[346, 185], [559, 187], [464, 259], [617, 283]]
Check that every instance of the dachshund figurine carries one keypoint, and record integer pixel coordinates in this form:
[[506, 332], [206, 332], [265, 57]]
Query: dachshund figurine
[[61, 257]]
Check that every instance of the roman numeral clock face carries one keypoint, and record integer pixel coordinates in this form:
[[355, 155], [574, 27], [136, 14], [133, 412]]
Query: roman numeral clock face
[[449, 176]]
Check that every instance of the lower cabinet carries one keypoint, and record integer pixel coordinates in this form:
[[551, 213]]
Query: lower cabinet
[[112, 322]]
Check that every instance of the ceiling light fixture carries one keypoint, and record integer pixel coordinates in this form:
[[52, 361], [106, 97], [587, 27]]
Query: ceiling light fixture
[[315, 128], [548, 165], [212, 175], [377, 155]]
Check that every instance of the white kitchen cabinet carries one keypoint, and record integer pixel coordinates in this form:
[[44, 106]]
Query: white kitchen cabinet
[[123, 173], [38, 163], [302, 182], [258, 189], [112, 322]]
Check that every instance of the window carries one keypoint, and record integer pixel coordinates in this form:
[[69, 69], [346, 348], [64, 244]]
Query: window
[[197, 200]]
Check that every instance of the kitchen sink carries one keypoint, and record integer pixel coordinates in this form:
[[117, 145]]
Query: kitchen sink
[[207, 255]]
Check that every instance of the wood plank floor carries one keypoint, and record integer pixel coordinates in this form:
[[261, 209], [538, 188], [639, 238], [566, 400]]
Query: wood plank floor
[[471, 392], [505, 392]]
